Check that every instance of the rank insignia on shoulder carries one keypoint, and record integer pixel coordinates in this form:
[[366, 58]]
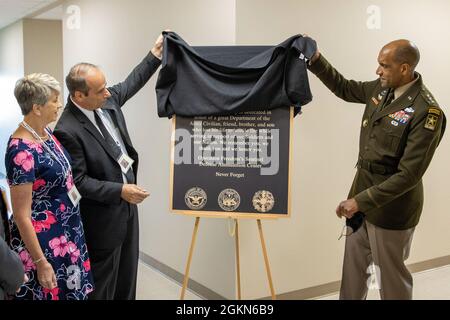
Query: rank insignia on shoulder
[[375, 101], [432, 119], [428, 96], [409, 110]]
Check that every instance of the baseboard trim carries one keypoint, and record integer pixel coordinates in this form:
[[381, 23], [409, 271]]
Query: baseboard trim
[[333, 287], [429, 264], [178, 277]]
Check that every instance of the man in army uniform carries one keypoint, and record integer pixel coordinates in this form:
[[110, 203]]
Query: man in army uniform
[[401, 128]]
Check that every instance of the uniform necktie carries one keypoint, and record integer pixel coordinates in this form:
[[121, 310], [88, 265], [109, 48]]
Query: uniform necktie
[[389, 98], [113, 145]]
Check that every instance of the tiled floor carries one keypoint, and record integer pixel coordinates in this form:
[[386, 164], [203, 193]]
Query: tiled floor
[[153, 285], [428, 285]]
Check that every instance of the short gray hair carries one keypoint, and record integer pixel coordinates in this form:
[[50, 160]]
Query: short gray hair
[[76, 79], [34, 89]]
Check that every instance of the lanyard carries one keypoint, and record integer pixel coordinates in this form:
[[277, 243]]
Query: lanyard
[[111, 131], [65, 165]]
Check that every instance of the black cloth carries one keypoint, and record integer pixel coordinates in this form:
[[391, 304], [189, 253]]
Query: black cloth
[[197, 81], [11, 267], [99, 180]]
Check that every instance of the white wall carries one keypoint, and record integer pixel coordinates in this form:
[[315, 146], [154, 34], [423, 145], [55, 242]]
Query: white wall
[[116, 35], [304, 250]]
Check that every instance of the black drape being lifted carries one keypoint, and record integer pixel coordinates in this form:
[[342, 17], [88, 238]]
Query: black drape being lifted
[[199, 81]]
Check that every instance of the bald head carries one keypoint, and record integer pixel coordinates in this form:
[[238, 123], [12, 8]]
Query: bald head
[[404, 51], [397, 62]]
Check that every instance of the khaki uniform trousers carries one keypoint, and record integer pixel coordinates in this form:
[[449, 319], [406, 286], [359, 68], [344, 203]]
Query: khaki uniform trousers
[[387, 250]]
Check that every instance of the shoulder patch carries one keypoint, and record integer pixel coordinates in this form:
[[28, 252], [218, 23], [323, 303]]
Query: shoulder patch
[[435, 111], [432, 118]]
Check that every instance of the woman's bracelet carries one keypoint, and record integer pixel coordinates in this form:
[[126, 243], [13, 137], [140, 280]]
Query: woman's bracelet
[[39, 260]]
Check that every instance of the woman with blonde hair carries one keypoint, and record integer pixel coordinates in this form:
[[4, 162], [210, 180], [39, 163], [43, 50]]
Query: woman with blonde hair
[[46, 228]]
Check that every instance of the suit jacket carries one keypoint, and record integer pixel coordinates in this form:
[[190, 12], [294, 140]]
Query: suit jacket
[[397, 143], [97, 174], [11, 267]]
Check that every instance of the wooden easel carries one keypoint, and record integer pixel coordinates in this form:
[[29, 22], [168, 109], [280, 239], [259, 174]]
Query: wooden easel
[[238, 275]]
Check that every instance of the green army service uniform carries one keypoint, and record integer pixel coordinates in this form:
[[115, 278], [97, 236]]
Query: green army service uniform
[[397, 143]]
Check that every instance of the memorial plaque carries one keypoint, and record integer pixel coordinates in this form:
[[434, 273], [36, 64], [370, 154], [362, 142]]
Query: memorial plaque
[[232, 165]]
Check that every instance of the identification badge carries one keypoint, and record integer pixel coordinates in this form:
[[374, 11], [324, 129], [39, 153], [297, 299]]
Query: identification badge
[[74, 196], [125, 163]]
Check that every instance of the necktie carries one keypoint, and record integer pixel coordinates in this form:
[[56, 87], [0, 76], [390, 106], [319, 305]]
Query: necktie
[[389, 98], [113, 145]]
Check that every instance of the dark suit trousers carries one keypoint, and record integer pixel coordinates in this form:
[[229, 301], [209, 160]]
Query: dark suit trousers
[[115, 270]]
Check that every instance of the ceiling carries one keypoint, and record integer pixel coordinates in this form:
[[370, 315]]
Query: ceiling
[[13, 10]]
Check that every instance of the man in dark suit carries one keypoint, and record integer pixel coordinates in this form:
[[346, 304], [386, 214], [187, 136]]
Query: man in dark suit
[[11, 268], [105, 164]]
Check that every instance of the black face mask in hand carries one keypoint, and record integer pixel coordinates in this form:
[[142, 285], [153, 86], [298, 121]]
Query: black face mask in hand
[[352, 224]]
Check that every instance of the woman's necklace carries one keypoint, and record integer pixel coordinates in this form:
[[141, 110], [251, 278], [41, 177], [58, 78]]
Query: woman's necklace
[[32, 131]]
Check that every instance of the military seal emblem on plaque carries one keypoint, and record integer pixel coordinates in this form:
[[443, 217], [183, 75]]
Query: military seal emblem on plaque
[[195, 198], [229, 200], [263, 201]]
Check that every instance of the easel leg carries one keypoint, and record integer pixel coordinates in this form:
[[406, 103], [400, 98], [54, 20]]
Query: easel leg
[[238, 267], [266, 259], [188, 264]]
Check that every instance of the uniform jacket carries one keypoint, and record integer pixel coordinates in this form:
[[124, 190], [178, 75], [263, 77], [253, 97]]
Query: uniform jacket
[[97, 174], [199, 81], [396, 146], [11, 267]]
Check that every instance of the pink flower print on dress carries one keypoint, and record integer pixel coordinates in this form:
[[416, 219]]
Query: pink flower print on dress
[[73, 251], [25, 160], [54, 293], [57, 142], [27, 261], [14, 143], [59, 246], [34, 145], [69, 183], [44, 225], [87, 265], [38, 184], [62, 207]]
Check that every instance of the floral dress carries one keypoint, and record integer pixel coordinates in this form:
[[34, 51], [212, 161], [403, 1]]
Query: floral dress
[[57, 222]]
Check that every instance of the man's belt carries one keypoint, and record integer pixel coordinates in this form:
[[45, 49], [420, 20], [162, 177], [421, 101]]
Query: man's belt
[[375, 167]]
